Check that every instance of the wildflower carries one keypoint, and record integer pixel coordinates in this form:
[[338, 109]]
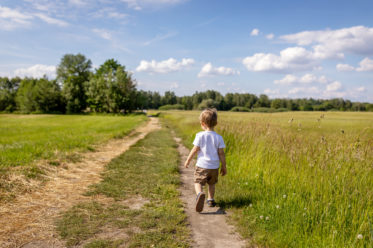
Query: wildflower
[[305, 208], [284, 196], [359, 236], [261, 217], [267, 218], [277, 206], [251, 205], [246, 183]]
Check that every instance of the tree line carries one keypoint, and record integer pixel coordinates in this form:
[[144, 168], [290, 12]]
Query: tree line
[[111, 89]]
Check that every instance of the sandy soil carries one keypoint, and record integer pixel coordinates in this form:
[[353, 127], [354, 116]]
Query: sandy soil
[[209, 228], [29, 220]]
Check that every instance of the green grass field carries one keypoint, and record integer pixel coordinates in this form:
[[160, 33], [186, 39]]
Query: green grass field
[[295, 179], [26, 138], [148, 169]]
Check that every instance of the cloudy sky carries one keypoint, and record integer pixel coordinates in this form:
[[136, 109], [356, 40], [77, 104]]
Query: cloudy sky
[[320, 49]]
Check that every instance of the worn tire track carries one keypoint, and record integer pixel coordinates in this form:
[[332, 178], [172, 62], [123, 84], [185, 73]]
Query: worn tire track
[[29, 220]]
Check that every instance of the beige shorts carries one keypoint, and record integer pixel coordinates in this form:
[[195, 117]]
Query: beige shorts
[[203, 176]]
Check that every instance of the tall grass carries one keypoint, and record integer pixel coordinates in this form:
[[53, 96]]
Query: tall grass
[[296, 179], [25, 138]]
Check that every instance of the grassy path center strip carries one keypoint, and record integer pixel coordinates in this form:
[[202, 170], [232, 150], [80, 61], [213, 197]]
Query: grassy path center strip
[[142, 205]]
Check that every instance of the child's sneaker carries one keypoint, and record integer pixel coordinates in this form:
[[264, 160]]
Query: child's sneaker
[[200, 201], [211, 203]]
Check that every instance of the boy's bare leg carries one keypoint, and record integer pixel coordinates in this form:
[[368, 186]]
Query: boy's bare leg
[[211, 191], [198, 188]]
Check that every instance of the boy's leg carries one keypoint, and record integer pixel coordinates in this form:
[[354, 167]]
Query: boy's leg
[[200, 200], [211, 192], [198, 188]]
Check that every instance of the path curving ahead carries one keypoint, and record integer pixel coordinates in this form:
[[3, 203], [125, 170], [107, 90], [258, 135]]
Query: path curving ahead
[[209, 228]]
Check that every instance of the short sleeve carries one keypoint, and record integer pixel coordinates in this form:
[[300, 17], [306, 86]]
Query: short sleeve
[[221, 142], [197, 141]]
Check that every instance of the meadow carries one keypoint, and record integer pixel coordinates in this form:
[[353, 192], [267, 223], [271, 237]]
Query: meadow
[[295, 179], [26, 138]]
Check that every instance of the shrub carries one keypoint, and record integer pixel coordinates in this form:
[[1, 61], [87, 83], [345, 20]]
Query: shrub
[[172, 106], [240, 109]]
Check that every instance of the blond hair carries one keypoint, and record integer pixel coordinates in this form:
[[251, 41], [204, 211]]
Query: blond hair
[[209, 117]]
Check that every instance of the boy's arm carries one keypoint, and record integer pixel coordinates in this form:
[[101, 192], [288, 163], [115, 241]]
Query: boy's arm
[[191, 155], [223, 170]]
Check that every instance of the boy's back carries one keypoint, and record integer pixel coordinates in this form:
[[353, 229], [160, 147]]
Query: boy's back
[[209, 142]]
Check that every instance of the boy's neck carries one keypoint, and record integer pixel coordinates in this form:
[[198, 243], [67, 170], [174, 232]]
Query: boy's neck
[[209, 129]]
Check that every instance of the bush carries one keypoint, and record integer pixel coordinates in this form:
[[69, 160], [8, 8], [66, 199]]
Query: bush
[[240, 109], [264, 110], [172, 107], [281, 110], [208, 103]]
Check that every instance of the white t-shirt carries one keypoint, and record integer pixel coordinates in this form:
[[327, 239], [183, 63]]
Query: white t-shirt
[[209, 142]]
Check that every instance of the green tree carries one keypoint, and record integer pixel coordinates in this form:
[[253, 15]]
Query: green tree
[[39, 95], [73, 73], [112, 89], [8, 91], [208, 103], [263, 101], [169, 98]]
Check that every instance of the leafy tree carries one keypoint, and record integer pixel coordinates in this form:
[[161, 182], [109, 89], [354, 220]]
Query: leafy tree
[[155, 100], [263, 101], [39, 95], [208, 103], [73, 72], [112, 89], [8, 91], [187, 101], [142, 99], [169, 98]]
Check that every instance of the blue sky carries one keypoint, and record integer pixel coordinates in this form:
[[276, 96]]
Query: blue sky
[[320, 49]]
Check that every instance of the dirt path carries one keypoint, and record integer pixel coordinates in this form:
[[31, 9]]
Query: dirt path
[[29, 220], [209, 228]]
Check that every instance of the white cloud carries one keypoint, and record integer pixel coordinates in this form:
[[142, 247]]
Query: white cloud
[[365, 65], [103, 33], [335, 86], [290, 59], [209, 70], [12, 18], [345, 67], [51, 20], [334, 43], [254, 32], [164, 66], [160, 38], [334, 94], [305, 79], [140, 4], [304, 90], [37, 71], [77, 2], [109, 12], [361, 89], [174, 85], [270, 36], [287, 80], [271, 92]]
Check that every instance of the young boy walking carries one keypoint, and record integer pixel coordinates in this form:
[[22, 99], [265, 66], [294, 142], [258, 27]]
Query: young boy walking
[[210, 148]]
